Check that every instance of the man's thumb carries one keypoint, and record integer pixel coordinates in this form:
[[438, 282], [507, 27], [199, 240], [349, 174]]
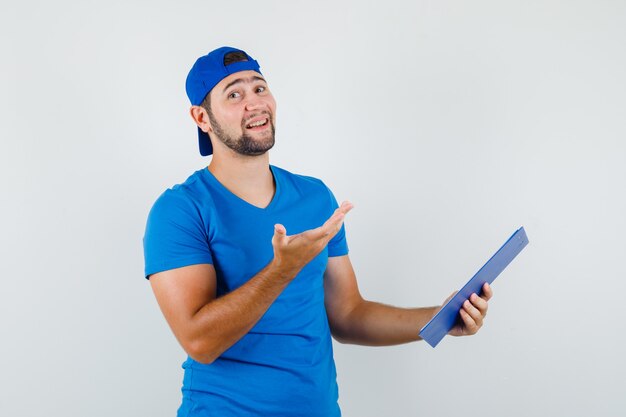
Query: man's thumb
[[279, 230], [279, 234]]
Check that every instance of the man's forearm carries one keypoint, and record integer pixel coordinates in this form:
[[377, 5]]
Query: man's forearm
[[220, 323], [376, 324]]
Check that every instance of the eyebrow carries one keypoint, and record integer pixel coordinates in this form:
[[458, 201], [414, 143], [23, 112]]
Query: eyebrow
[[241, 80]]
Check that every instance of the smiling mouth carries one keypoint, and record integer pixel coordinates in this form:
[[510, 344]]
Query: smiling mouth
[[257, 124]]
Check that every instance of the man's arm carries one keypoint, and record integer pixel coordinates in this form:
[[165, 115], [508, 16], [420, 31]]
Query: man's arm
[[355, 320], [206, 326]]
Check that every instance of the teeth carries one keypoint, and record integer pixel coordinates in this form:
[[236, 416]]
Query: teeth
[[259, 123]]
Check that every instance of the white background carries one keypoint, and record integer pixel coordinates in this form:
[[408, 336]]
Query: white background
[[448, 124]]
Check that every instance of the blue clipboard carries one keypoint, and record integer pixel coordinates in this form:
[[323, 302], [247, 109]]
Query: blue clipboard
[[444, 320]]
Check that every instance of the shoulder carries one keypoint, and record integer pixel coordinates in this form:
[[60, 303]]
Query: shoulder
[[303, 182], [187, 197]]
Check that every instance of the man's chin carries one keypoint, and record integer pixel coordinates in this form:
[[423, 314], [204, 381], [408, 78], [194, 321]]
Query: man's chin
[[253, 147], [260, 151]]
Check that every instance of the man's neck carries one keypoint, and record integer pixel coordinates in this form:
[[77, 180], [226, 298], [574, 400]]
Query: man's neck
[[248, 177]]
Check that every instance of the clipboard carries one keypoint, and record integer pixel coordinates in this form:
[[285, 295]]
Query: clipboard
[[444, 320]]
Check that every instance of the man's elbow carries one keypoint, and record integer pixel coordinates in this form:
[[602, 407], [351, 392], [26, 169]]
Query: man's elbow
[[342, 340], [200, 352], [340, 336], [343, 324]]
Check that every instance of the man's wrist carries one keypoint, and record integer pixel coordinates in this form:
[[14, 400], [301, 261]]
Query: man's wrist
[[281, 271]]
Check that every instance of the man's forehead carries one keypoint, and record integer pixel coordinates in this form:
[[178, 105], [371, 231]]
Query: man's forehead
[[241, 76]]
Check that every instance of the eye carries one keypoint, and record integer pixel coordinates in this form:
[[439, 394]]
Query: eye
[[234, 94], [260, 89]]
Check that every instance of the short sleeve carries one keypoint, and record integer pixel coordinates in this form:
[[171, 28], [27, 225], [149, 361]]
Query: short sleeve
[[338, 245], [175, 235]]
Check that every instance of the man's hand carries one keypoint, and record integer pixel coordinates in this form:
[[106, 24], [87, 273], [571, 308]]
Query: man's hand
[[472, 313], [292, 253]]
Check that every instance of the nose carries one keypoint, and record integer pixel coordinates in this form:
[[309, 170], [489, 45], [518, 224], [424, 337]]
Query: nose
[[255, 102]]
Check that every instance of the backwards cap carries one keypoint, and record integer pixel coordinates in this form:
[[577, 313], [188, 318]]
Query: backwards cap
[[205, 74]]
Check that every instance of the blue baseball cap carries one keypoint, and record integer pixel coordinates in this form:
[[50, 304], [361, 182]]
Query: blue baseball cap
[[205, 74]]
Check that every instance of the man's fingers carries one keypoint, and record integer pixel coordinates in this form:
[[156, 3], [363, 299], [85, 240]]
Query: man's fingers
[[340, 211], [345, 207], [329, 228], [470, 324], [480, 303], [474, 313], [332, 225], [336, 220], [487, 292]]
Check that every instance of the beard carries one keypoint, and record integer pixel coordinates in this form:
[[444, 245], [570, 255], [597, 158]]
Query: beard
[[244, 144]]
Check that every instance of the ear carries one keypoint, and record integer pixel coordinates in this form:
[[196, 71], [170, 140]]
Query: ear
[[201, 118]]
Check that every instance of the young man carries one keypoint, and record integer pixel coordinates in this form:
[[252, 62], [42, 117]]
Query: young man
[[249, 264]]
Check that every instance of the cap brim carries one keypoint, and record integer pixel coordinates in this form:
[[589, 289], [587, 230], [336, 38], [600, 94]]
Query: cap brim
[[206, 148]]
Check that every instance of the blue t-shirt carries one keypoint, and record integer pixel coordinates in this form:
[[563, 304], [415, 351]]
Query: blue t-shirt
[[284, 366]]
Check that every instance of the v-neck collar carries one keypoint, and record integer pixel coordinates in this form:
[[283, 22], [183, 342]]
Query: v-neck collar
[[234, 196]]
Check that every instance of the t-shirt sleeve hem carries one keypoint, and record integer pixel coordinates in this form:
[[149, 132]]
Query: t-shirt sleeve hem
[[332, 252], [173, 264]]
